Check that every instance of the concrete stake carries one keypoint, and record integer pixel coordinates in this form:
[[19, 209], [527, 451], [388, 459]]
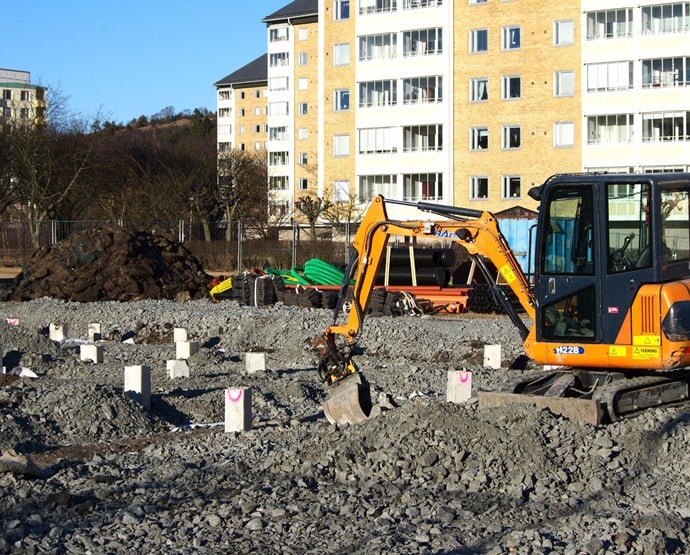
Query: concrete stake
[[238, 409], [58, 332], [492, 356], [458, 386], [177, 369], [179, 334], [185, 349], [255, 362], [94, 332], [138, 384], [94, 353]]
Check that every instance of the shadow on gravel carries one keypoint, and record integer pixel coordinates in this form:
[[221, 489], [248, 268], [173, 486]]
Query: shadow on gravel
[[288, 371]]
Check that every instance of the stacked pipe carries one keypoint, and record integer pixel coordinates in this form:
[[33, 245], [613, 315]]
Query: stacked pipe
[[481, 299], [430, 267]]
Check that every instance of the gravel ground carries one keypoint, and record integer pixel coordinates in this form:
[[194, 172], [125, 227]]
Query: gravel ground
[[426, 476]]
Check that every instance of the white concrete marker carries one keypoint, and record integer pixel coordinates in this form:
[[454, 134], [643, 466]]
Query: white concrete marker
[[458, 386], [177, 369], [255, 362], [58, 332], [238, 409], [138, 384], [179, 334], [185, 349], [492, 356], [94, 353], [94, 331]]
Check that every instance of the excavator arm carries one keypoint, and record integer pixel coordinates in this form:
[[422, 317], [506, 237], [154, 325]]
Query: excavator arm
[[478, 232]]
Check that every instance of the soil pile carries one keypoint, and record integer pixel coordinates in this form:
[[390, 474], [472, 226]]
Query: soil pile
[[110, 263]]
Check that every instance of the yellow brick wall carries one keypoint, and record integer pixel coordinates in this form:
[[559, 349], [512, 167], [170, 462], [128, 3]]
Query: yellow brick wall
[[536, 111], [254, 97], [340, 168]]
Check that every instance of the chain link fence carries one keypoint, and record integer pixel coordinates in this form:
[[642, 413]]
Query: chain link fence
[[219, 247]]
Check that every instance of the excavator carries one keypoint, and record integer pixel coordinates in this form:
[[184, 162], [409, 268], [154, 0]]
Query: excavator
[[607, 303]]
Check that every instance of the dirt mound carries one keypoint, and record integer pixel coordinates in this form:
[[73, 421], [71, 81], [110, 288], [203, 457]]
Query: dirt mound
[[110, 263]]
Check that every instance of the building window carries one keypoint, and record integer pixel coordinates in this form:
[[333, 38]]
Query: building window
[[278, 209], [257, 146], [341, 100], [666, 18], [510, 138], [377, 140], [277, 133], [563, 134], [341, 145], [377, 6], [242, 129], [275, 35], [302, 83], [510, 188], [224, 95], [564, 83], [479, 40], [278, 109], [243, 112], [241, 147], [610, 76], [7, 112], [303, 184], [257, 128], [378, 47], [303, 158], [302, 133], [477, 2], [303, 33], [257, 111], [341, 191], [479, 89], [372, 185], [421, 90], [278, 158], [25, 95], [278, 182], [510, 37], [278, 59], [242, 95], [423, 42], [423, 186], [223, 112], [278, 83], [378, 93], [665, 72], [422, 138], [479, 187], [416, 4], [666, 126], [611, 24], [302, 58], [224, 147], [563, 32], [479, 138], [341, 9], [7, 94], [511, 87], [302, 108], [341, 54]]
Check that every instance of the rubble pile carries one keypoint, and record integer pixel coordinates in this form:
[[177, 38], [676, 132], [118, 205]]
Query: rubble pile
[[110, 263]]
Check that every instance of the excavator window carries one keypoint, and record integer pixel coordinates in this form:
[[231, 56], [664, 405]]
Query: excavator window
[[629, 234], [572, 317], [675, 226]]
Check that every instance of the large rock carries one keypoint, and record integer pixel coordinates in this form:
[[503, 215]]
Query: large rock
[[112, 263]]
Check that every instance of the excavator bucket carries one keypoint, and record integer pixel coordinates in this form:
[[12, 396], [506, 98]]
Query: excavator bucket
[[349, 401]]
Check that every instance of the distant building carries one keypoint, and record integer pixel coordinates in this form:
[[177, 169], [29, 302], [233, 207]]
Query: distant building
[[21, 101]]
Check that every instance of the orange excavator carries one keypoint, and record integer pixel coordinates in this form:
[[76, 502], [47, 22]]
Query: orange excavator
[[609, 298]]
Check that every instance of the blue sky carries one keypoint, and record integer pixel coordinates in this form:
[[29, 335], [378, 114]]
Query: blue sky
[[125, 58]]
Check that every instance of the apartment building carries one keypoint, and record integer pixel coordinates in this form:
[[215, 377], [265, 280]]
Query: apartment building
[[472, 102], [21, 101]]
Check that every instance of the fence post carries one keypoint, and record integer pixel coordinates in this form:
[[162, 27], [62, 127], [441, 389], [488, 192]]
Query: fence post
[[180, 231], [294, 242], [239, 246], [53, 232]]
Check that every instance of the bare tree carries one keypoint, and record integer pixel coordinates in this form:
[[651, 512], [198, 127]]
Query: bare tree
[[313, 208]]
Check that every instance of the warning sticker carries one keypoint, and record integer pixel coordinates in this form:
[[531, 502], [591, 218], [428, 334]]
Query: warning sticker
[[508, 273], [651, 340], [617, 351], [645, 353]]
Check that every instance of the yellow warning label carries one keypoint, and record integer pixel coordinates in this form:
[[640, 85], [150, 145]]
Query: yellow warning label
[[645, 353], [508, 274], [617, 351], [647, 340]]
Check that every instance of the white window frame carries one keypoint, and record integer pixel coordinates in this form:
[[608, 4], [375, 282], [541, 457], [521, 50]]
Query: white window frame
[[475, 41], [506, 186], [341, 190], [564, 32], [302, 108], [423, 138], [506, 82], [507, 135], [341, 54], [563, 134], [511, 37], [302, 59], [477, 134], [339, 10], [303, 183], [302, 33], [377, 140], [477, 183], [479, 85], [423, 90], [303, 158], [341, 145], [341, 100], [302, 84], [302, 133], [564, 83], [413, 186]]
